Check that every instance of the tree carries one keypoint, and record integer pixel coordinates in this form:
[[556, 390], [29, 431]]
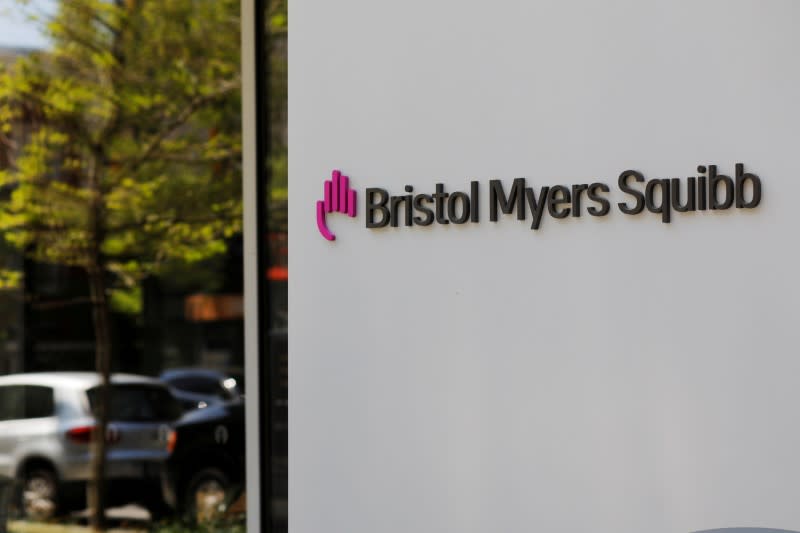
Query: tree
[[125, 152]]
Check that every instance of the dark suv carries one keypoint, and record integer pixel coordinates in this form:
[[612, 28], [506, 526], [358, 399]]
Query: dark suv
[[207, 466]]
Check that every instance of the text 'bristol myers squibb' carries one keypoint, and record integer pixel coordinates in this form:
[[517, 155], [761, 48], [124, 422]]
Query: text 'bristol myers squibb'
[[709, 190]]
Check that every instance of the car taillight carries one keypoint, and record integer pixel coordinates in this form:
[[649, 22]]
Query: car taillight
[[172, 440], [83, 435]]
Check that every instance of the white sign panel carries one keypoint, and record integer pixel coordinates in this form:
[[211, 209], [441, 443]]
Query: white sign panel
[[495, 362]]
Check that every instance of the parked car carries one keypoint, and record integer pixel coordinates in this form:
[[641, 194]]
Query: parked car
[[201, 387], [46, 426], [206, 469]]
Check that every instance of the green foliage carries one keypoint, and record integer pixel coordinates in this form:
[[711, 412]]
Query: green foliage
[[10, 278], [277, 160], [125, 300], [125, 137]]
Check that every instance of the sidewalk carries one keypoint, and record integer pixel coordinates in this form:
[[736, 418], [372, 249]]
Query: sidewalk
[[33, 527]]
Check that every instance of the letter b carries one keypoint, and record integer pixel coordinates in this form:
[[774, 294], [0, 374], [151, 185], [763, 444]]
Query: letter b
[[714, 180], [741, 179], [380, 206]]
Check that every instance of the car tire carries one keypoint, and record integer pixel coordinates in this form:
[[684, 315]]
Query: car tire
[[38, 499], [206, 495]]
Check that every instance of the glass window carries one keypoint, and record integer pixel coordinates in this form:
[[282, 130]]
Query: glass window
[[12, 406], [203, 385], [274, 243], [38, 401], [121, 243], [19, 402], [138, 403]]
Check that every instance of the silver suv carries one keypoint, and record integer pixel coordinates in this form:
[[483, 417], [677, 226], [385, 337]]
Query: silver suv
[[46, 426]]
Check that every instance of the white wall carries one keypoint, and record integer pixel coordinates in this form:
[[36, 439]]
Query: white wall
[[608, 374]]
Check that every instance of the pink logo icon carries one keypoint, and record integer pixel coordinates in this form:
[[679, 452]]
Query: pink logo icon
[[339, 197]]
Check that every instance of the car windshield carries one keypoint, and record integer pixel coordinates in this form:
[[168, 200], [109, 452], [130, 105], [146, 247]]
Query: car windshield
[[138, 403]]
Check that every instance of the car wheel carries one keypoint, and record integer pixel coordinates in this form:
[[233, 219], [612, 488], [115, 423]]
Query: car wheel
[[206, 495], [39, 498]]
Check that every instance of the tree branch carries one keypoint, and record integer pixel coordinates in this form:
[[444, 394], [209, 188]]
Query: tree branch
[[171, 220], [194, 105]]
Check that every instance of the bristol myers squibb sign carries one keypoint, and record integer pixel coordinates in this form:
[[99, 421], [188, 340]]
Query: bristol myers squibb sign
[[710, 190]]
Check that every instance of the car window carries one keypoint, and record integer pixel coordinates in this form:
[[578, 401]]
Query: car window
[[198, 384], [11, 402], [138, 403], [18, 402], [38, 401]]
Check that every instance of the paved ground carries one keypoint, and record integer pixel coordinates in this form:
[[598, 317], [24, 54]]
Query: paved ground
[[125, 513], [128, 519], [30, 527]]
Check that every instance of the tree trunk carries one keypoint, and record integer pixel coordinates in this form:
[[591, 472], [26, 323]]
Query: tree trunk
[[95, 268], [96, 495]]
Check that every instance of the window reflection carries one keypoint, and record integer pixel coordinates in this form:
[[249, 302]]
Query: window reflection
[[121, 249], [273, 151]]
